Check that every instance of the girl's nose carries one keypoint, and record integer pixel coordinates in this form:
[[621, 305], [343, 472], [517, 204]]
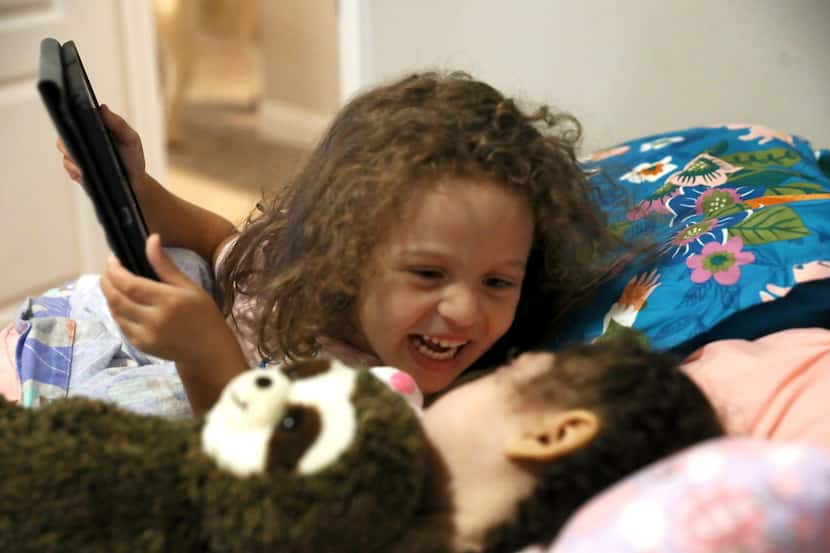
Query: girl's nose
[[460, 305]]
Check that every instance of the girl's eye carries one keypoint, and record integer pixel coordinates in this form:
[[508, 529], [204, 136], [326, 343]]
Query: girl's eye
[[427, 274], [499, 283]]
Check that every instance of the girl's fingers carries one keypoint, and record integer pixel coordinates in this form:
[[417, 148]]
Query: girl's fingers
[[166, 270], [71, 169], [122, 307], [123, 132], [135, 332], [68, 163], [137, 289], [62, 147]]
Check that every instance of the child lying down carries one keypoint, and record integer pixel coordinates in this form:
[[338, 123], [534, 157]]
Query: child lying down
[[320, 457]]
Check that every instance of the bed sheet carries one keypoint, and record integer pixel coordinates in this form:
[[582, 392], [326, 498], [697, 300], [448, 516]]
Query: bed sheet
[[68, 344]]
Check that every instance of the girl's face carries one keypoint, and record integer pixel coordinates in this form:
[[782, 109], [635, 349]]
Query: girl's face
[[444, 281]]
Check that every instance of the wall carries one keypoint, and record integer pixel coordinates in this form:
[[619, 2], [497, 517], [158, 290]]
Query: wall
[[300, 65], [623, 68]]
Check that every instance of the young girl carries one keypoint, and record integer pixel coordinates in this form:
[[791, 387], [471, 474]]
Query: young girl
[[435, 226], [544, 434]]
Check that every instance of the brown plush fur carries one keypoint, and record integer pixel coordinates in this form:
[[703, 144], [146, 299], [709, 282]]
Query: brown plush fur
[[83, 476], [64, 466]]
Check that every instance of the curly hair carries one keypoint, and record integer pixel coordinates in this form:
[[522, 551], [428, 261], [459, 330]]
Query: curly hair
[[648, 409], [304, 255]]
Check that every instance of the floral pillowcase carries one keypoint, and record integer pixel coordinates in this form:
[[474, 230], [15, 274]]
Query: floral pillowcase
[[741, 216], [724, 495]]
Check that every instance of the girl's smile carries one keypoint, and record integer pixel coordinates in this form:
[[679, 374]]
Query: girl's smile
[[444, 283], [435, 354], [436, 348]]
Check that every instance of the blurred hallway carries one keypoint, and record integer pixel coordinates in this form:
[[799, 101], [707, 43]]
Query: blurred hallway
[[222, 162]]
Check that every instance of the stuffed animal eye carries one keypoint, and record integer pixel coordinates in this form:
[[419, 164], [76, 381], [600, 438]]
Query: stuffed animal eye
[[292, 420], [263, 382], [293, 435]]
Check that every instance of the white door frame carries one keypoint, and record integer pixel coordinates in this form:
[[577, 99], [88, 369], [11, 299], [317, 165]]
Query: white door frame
[[354, 30], [142, 83]]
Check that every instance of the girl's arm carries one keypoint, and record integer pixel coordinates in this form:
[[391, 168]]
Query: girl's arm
[[181, 223]]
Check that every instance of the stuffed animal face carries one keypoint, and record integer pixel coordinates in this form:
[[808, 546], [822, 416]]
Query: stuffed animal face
[[301, 421], [336, 457]]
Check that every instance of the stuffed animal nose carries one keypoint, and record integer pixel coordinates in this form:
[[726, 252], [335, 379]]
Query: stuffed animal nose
[[263, 382]]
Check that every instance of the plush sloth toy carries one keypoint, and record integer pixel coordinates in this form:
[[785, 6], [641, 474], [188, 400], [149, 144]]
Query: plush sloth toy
[[317, 457]]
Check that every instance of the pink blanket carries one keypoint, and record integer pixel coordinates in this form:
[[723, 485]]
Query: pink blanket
[[776, 387], [9, 381]]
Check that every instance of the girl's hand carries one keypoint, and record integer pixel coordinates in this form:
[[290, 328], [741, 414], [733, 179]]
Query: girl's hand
[[174, 319], [126, 140], [180, 222]]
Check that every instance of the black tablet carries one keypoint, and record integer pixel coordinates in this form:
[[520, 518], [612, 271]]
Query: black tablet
[[67, 93]]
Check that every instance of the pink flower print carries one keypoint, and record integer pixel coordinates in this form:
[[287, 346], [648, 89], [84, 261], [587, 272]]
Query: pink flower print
[[639, 211], [723, 261], [813, 270], [773, 292], [718, 518], [650, 171], [762, 133], [715, 200], [642, 209], [692, 233], [704, 170], [608, 152], [656, 203], [803, 272]]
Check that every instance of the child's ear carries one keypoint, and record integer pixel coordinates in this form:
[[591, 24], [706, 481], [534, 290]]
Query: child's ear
[[555, 436]]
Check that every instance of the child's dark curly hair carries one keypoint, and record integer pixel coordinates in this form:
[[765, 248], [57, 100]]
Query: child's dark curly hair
[[648, 409], [304, 257]]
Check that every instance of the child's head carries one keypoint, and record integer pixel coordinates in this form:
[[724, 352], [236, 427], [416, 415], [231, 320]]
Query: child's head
[[438, 291], [430, 143], [547, 432]]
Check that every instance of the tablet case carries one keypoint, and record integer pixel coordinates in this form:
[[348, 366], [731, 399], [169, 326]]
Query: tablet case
[[66, 91]]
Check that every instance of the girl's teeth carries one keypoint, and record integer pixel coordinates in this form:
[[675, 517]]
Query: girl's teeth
[[430, 347], [432, 354], [444, 343]]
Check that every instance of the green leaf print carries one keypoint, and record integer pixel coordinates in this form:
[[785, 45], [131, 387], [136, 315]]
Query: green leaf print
[[717, 149], [763, 159], [770, 224], [617, 331], [759, 179], [728, 210], [794, 188]]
